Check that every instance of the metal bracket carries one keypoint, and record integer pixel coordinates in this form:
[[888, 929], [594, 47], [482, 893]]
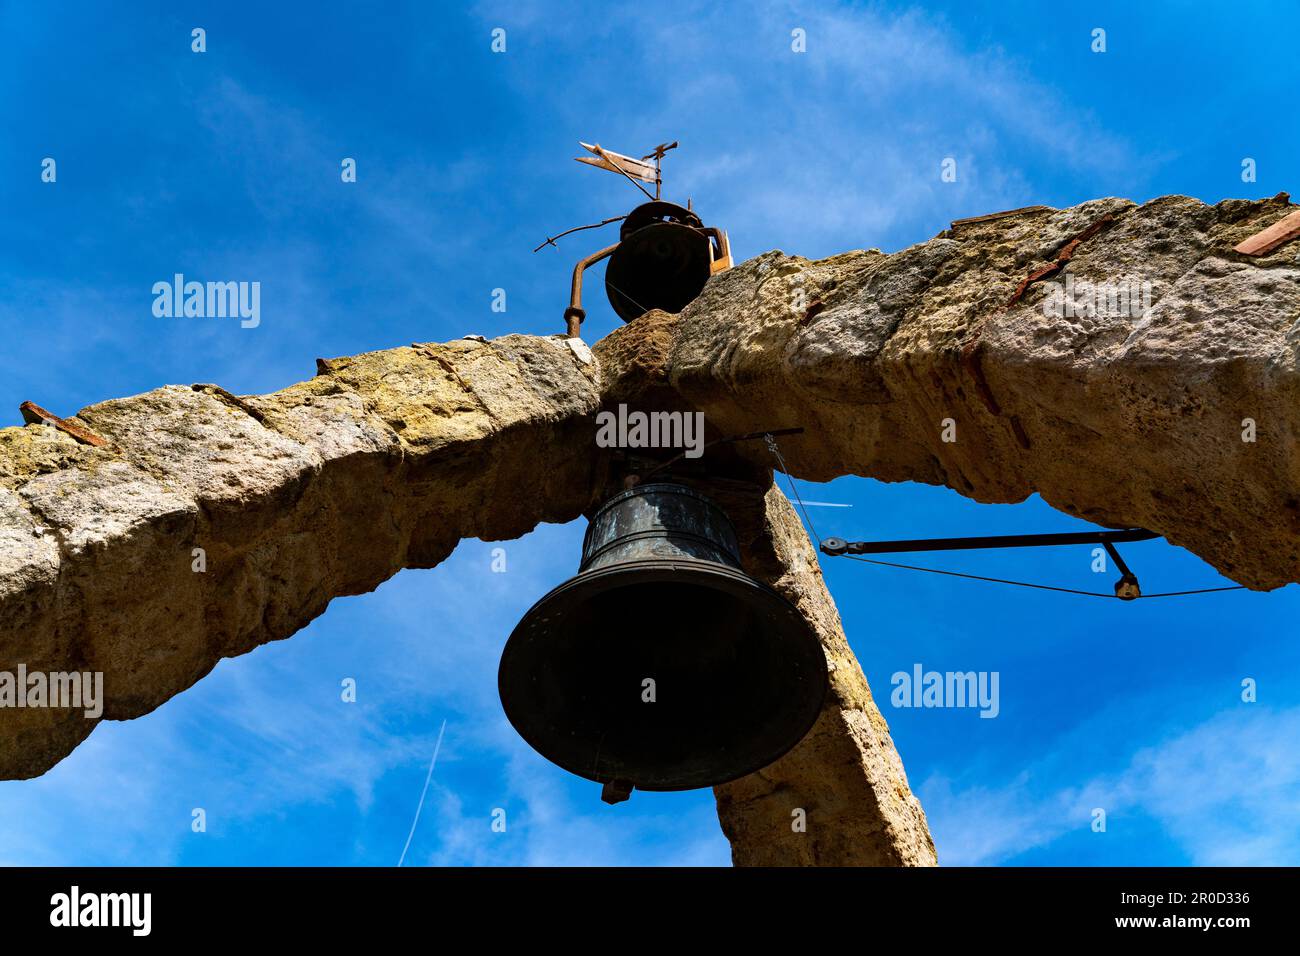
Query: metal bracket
[[719, 250], [1127, 587]]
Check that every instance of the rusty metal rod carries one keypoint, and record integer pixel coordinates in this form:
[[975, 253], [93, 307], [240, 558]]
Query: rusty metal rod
[[574, 314], [550, 240], [33, 414]]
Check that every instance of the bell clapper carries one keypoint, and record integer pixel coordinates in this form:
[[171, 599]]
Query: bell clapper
[[616, 791]]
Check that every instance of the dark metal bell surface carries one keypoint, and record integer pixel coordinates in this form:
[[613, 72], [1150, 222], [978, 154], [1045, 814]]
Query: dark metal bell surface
[[662, 261], [739, 674]]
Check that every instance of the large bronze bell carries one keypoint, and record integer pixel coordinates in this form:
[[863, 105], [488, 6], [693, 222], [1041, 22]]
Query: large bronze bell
[[662, 665]]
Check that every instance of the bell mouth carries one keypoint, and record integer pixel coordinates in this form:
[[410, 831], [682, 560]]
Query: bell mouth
[[738, 675]]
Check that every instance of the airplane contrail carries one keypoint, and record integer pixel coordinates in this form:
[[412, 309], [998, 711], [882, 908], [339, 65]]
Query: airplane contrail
[[423, 793]]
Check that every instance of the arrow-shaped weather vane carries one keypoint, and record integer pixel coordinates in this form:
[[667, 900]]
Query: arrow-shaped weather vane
[[633, 169]]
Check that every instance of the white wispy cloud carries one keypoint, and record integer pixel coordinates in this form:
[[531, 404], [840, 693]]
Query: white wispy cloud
[[836, 148], [1223, 790]]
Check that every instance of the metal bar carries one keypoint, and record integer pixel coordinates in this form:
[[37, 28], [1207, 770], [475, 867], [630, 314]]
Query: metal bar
[[990, 217], [574, 314], [550, 240], [1119, 562], [660, 150], [33, 414], [837, 546], [658, 155]]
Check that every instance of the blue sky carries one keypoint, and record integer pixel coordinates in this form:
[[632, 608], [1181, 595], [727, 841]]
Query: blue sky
[[225, 165]]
